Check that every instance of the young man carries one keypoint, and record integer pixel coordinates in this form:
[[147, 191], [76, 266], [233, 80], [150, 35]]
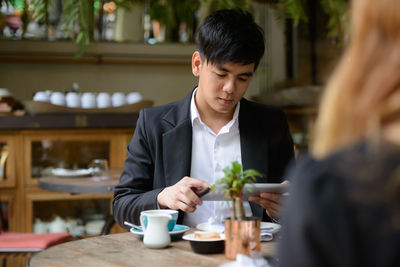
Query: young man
[[182, 147]]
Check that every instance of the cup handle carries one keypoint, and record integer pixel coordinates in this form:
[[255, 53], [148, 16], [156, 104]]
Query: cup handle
[[142, 222]]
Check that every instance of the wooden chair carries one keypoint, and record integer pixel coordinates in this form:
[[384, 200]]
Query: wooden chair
[[19, 247]]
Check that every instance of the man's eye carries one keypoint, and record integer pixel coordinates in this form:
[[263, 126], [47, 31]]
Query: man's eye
[[243, 79], [220, 75]]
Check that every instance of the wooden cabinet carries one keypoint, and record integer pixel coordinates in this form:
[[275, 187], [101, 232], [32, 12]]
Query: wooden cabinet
[[7, 160], [45, 150], [34, 153], [8, 184]]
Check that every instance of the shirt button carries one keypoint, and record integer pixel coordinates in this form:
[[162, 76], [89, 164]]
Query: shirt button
[[217, 167]]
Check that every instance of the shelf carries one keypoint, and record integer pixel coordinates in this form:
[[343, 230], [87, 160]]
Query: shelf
[[68, 121], [97, 52]]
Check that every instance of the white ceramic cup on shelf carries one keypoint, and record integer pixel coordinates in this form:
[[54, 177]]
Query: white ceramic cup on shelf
[[134, 97], [103, 100], [57, 225], [73, 100], [88, 100], [40, 227], [4, 92], [41, 96], [57, 98], [118, 99]]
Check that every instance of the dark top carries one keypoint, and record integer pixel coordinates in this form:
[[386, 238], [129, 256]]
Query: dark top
[[344, 210], [159, 154]]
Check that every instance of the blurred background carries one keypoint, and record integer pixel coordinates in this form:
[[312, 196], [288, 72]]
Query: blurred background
[[75, 73], [146, 45]]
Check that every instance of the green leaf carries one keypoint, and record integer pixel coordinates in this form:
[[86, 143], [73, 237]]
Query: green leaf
[[234, 181]]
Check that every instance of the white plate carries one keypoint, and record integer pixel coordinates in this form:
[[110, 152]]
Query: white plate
[[264, 226], [190, 237], [249, 190], [210, 227], [270, 227], [60, 172], [178, 231]]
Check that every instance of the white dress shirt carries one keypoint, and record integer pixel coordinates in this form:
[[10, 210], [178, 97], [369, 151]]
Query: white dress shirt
[[211, 153]]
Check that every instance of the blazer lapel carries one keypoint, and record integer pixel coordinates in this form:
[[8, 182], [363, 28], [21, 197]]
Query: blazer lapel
[[253, 143], [252, 156], [177, 142]]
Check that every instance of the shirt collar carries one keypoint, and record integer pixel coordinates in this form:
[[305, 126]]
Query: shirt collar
[[195, 116]]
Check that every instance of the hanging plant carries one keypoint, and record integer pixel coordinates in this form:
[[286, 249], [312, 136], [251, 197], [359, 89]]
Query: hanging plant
[[78, 15], [336, 10]]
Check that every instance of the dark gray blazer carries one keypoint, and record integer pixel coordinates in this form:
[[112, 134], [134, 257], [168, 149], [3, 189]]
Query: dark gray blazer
[[159, 154]]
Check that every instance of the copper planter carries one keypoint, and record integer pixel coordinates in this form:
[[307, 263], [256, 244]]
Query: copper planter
[[242, 237]]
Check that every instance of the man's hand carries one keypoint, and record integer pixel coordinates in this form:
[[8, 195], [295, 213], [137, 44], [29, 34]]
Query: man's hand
[[271, 202], [182, 195]]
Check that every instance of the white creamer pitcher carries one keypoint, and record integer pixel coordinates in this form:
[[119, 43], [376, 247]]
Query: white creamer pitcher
[[156, 233]]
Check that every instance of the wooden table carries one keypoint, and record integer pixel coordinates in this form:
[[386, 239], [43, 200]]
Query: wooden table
[[128, 250]]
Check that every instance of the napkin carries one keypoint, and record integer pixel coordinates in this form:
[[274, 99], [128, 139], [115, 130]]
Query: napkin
[[265, 236], [256, 260]]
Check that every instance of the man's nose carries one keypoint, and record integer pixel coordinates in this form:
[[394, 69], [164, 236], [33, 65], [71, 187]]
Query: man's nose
[[229, 86]]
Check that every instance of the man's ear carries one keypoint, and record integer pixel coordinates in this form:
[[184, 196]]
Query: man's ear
[[196, 63]]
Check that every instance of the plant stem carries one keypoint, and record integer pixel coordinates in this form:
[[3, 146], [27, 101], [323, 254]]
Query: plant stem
[[239, 209], [233, 210]]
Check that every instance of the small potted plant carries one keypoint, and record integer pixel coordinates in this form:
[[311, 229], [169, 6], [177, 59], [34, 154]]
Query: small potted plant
[[242, 234]]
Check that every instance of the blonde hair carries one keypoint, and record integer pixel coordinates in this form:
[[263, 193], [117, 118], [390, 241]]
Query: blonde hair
[[366, 79]]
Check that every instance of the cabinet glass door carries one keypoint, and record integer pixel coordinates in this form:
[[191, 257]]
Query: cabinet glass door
[[71, 155], [79, 217], [7, 211]]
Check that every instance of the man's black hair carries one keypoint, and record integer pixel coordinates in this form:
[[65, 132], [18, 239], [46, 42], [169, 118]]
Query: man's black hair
[[230, 36]]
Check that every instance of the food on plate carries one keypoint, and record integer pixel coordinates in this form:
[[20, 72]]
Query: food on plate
[[206, 235]]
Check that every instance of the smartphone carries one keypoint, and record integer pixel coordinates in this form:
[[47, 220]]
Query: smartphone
[[203, 192]]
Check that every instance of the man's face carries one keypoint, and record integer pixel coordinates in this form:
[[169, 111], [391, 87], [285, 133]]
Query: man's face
[[221, 87]]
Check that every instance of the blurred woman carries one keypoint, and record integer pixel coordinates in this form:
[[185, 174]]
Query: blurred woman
[[344, 209]]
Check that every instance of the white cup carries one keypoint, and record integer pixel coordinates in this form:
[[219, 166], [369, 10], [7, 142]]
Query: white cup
[[118, 99], [41, 96], [73, 100], [39, 227], [57, 225], [103, 100], [57, 98], [4, 92], [88, 100], [134, 97]]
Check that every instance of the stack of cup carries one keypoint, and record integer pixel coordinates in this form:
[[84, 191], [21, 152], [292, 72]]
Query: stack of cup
[[73, 100], [118, 99], [103, 100], [134, 97], [88, 100], [57, 98], [42, 96]]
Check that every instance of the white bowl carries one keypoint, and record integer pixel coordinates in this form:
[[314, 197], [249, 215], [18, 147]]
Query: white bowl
[[88, 100], [41, 96], [57, 98], [4, 92], [134, 97], [118, 99], [103, 100], [73, 100]]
